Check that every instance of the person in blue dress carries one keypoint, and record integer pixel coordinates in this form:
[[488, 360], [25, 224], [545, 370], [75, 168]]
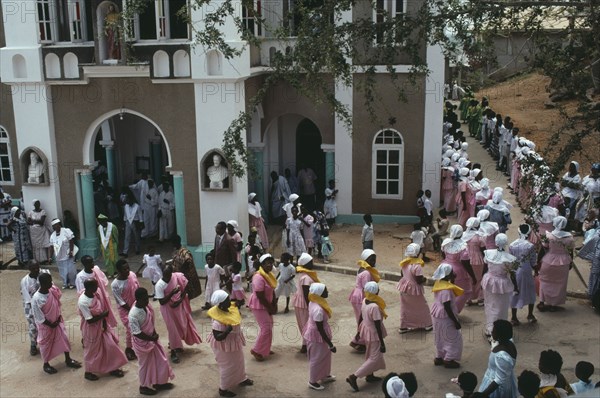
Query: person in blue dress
[[499, 380]]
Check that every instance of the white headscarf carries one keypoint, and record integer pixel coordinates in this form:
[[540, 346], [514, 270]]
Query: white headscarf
[[576, 165], [366, 254], [449, 153], [486, 228], [455, 157], [55, 221], [233, 223], [37, 200], [501, 241], [317, 288], [483, 215], [412, 250], [452, 244], [464, 173], [264, 257], [395, 388], [522, 235], [304, 259], [371, 287], [499, 256], [218, 297], [442, 271], [445, 162], [497, 203], [559, 224], [473, 183], [251, 196], [547, 215], [464, 146], [472, 227], [293, 197]]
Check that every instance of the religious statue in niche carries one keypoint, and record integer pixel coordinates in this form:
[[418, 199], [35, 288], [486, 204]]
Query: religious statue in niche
[[35, 170], [216, 173], [112, 28]]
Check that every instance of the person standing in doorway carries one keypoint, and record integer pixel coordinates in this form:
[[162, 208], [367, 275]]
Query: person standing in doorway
[[166, 213], [150, 208], [133, 225], [307, 178]]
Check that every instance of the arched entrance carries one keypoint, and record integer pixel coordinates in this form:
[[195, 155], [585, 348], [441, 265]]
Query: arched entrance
[[310, 154]]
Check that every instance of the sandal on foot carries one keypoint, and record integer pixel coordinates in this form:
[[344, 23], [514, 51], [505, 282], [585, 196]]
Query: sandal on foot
[[542, 307], [403, 330], [71, 363], [352, 381], [117, 373], [531, 319], [50, 370], [315, 386], [90, 376], [328, 379], [438, 361], [147, 391], [257, 356], [226, 393], [247, 382], [451, 365], [164, 386]]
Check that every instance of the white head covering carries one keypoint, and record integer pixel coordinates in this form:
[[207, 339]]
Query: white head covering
[[395, 388], [559, 224], [455, 157], [475, 172], [35, 200], [445, 162], [576, 165], [449, 153], [531, 145], [483, 215], [486, 228], [317, 288], [251, 196], [464, 146], [464, 172], [472, 226], [501, 241], [293, 197], [55, 221], [366, 254], [526, 234], [304, 259], [233, 223], [218, 297], [442, 271], [371, 287], [412, 250], [14, 210], [452, 244], [264, 257], [547, 214]]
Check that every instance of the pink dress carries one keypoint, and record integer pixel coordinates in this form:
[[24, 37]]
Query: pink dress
[[308, 232], [414, 311], [178, 320], [448, 190], [128, 296], [463, 215], [319, 355], [101, 351], [356, 297], [448, 339], [463, 279], [229, 354], [471, 201], [153, 364], [515, 175], [497, 291], [373, 357], [264, 339], [554, 272], [300, 306], [474, 246], [52, 341]]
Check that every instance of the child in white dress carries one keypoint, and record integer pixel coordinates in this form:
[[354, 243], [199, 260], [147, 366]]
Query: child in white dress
[[214, 274], [154, 266], [237, 285], [285, 278], [326, 246]]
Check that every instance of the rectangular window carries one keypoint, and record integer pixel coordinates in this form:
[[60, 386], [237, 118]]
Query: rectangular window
[[384, 12], [178, 26], [161, 19], [45, 16], [387, 172], [6, 173], [77, 18], [251, 18]]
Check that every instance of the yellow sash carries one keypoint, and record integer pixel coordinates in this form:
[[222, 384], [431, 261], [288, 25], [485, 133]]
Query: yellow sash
[[270, 278], [309, 272], [372, 270], [445, 285], [377, 300], [321, 301], [412, 260], [229, 318]]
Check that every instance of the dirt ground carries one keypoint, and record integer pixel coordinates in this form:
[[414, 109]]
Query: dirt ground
[[523, 98]]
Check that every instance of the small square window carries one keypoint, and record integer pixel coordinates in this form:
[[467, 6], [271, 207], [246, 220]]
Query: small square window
[[381, 157], [381, 187], [394, 157], [394, 172], [393, 188], [381, 172]]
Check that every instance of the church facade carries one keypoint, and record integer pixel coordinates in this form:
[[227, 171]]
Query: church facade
[[75, 100]]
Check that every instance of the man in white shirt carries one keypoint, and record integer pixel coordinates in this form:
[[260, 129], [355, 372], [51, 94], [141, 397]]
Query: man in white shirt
[[166, 207], [30, 285], [133, 225], [140, 188], [150, 210], [62, 245]]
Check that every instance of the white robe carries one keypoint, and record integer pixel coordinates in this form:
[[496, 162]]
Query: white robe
[[150, 208]]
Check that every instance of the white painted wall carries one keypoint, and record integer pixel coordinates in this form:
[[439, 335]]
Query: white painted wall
[[343, 154], [432, 143], [20, 26]]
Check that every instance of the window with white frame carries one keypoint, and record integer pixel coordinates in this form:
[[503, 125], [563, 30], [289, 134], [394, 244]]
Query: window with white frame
[[251, 18], [46, 17], [6, 172], [78, 20], [384, 11], [162, 20], [388, 165], [166, 20]]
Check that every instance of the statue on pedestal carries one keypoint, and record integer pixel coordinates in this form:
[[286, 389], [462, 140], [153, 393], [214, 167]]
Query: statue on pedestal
[[35, 171], [111, 30]]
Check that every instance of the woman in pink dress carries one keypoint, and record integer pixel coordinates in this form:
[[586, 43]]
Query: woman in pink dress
[[544, 224], [487, 229], [366, 273], [262, 304], [483, 195], [472, 188], [497, 283], [318, 336], [305, 278], [414, 311], [475, 247], [227, 342], [232, 230], [555, 266], [448, 337], [372, 331], [455, 253], [256, 220], [448, 186], [461, 196]]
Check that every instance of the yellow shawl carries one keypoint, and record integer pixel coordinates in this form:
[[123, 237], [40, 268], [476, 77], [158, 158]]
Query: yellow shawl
[[270, 278], [377, 300], [321, 301], [445, 285], [309, 272], [229, 318], [372, 270], [412, 260]]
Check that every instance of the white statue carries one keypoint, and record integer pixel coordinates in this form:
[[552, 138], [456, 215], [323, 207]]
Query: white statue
[[217, 173], [35, 171]]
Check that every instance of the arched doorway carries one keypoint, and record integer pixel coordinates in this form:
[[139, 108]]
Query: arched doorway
[[310, 154]]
